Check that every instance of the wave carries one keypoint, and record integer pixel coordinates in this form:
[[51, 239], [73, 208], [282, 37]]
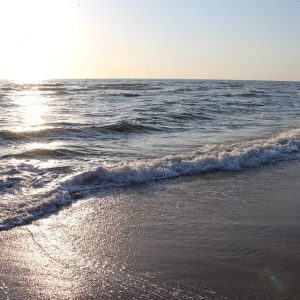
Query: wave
[[248, 94], [28, 134], [125, 127], [55, 88], [207, 158], [77, 86], [187, 116], [245, 94], [32, 86], [41, 152], [118, 127], [128, 95], [238, 156], [124, 86], [183, 90], [235, 85]]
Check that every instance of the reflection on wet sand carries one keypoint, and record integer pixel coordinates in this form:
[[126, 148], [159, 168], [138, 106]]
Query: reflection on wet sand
[[182, 239]]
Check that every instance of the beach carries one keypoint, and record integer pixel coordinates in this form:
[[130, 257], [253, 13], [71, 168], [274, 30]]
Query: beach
[[149, 150], [149, 189], [221, 235]]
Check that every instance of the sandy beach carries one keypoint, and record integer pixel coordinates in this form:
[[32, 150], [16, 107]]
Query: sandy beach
[[149, 150], [224, 235]]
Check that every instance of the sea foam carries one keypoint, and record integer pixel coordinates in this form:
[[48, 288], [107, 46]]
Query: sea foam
[[285, 146], [237, 156]]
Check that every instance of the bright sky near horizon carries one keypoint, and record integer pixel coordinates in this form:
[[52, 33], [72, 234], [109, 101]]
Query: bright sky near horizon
[[206, 39]]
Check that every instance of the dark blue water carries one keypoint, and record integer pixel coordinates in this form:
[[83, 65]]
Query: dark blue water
[[60, 140]]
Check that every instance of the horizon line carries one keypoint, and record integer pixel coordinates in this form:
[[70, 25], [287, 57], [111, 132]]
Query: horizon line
[[147, 78]]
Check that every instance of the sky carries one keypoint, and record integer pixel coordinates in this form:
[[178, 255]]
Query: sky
[[197, 39]]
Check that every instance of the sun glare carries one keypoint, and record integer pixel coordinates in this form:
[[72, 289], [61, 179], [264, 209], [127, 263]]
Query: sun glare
[[38, 36], [31, 113]]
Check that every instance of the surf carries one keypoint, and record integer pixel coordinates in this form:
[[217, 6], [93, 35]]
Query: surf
[[207, 158]]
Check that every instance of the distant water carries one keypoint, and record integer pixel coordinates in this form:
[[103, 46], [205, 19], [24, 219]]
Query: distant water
[[63, 140]]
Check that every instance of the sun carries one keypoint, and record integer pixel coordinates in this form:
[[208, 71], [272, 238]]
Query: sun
[[37, 37]]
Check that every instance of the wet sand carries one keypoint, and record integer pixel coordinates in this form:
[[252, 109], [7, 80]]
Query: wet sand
[[224, 235]]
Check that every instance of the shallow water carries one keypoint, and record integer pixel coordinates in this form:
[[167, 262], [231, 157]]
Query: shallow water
[[65, 139], [219, 235]]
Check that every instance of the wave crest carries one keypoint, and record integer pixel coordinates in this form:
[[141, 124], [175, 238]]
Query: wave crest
[[41, 152], [118, 127], [206, 158], [283, 147]]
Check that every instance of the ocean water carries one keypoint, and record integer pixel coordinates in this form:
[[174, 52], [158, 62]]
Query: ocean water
[[64, 140]]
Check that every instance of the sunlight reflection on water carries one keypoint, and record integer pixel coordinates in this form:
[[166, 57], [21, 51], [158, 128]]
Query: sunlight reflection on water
[[31, 112]]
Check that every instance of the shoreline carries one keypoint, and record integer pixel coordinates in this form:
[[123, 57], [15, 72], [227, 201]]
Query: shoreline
[[223, 235]]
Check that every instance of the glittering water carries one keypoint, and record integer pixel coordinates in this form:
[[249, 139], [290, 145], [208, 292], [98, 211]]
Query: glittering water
[[61, 140]]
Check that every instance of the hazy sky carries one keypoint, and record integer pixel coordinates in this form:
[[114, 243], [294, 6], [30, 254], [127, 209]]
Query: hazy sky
[[226, 39]]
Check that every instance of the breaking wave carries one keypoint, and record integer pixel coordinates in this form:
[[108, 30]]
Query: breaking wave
[[283, 147]]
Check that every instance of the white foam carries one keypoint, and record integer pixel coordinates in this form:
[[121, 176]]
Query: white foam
[[283, 147]]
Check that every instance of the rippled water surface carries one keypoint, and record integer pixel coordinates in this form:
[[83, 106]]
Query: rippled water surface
[[60, 140]]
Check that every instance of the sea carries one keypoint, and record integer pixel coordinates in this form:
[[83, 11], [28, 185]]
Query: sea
[[62, 141]]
